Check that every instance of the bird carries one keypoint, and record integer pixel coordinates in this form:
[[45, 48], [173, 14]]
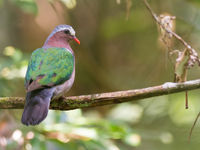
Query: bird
[[50, 74]]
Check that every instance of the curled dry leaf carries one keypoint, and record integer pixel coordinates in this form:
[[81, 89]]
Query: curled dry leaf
[[166, 22], [181, 66], [186, 59], [193, 58]]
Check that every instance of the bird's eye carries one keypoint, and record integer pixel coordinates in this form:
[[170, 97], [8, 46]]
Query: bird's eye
[[66, 31]]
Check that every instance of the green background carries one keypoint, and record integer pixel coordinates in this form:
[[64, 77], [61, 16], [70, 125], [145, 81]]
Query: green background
[[120, 50]]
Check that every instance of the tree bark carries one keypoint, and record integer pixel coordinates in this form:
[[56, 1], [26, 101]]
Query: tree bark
[[74, 102]]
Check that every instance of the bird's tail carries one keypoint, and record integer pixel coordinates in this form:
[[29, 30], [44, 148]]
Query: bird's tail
[[37, 106]]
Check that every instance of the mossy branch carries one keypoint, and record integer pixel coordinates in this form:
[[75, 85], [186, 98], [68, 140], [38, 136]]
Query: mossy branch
[[74, 102]]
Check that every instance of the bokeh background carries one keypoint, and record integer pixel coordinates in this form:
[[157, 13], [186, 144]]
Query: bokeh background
[[120, 50]]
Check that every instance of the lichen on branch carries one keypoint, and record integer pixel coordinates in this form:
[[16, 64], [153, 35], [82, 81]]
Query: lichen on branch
[[100, 99]]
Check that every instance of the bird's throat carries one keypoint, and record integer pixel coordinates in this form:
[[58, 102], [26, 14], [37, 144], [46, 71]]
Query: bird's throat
[[57, 42]]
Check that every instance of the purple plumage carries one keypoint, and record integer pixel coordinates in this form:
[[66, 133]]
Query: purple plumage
[[37, 105], [44, 78]]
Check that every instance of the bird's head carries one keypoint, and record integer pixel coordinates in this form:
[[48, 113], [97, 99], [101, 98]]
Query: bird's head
[[61, 34]]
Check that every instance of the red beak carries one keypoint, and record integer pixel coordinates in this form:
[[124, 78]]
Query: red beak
[[76, 40]]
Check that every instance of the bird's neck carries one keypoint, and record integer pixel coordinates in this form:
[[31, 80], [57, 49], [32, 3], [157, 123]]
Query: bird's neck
[[56, 41]]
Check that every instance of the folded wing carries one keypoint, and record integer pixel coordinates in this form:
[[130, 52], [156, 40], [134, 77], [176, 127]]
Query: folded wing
[[49, 67]]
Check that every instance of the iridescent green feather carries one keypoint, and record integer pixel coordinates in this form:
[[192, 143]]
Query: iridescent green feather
[[53, 65]]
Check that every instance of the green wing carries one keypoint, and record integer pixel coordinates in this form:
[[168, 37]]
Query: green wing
[[49, 67]]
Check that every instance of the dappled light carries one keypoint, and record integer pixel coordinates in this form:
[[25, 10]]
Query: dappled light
[[125, 45]]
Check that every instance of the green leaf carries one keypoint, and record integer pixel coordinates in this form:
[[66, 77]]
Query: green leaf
[[28, 6], [69, 3]]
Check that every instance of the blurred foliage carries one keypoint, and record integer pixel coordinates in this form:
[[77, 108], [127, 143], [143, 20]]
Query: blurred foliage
[[12, 67], [120, 49], [28, 6]]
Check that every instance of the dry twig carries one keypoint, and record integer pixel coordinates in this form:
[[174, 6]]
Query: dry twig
[[192, 52], [185, 60]]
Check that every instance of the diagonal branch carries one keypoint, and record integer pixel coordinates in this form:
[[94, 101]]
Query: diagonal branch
[[74, 102], [191, 50], [155, 17]]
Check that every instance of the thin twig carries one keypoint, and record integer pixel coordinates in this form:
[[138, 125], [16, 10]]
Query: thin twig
[[190, 134], [167, 30], [186, 100], [74, 102], [193, 54]]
